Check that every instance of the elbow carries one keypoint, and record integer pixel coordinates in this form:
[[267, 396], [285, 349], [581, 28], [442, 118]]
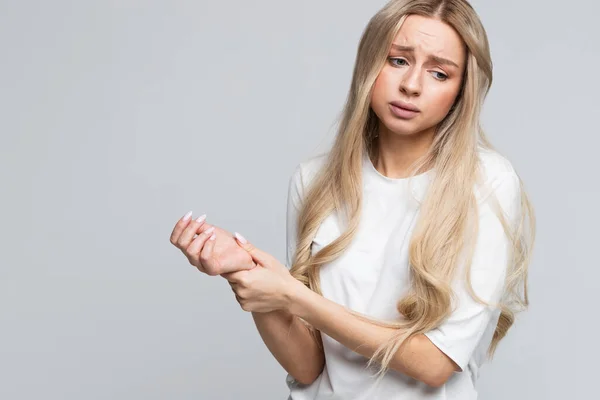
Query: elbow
[[435, 381], [434, 375], [306, 380], [438, 366], [438, 375], [308, 376]]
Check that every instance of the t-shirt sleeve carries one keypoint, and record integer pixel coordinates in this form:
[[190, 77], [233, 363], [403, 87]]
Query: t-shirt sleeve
[[294, 198], [460, 334]]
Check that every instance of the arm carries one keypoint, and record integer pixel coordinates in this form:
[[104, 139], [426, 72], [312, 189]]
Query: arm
[[291, 344], [434, 356], [286, 337], [422, 360]]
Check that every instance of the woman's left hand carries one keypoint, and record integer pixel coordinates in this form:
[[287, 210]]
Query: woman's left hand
[[267, 287]]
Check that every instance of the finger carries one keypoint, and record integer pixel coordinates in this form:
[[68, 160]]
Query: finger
[[233, 277], [194, 249], [179, 227], [204, 226], [257, 255], [227, 275], [207, 249], [189, 231]]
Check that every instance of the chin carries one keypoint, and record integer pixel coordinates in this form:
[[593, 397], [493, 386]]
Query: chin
[[402, 131], [402, 126]]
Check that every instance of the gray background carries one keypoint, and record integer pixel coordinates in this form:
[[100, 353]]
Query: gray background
[[120, 116]]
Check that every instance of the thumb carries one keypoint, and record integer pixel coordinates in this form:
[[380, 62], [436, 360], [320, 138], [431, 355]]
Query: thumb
[[257, 255]]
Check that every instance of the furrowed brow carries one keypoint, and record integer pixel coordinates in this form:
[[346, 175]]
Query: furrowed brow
[[437, 59]]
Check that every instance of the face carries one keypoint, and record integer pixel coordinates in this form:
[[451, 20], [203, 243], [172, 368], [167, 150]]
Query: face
[[419, 72]]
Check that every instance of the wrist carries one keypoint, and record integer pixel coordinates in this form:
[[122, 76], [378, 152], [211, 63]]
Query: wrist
[[275, 314], [297, 291]]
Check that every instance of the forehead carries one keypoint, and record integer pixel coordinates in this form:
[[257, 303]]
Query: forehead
[[431, 36]]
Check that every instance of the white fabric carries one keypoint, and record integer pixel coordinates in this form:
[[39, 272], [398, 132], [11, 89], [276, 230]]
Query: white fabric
[[372, 275]]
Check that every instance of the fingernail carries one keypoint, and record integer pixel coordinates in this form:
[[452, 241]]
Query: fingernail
[[187, 216], [209, 230], [241, 238], [201, 218], [214, 235]]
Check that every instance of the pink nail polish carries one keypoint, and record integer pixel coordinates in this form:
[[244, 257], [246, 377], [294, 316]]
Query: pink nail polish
[[241, 238], [201, 218], [187, 216]]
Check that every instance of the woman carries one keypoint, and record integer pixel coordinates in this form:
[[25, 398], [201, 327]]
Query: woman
[[408, 244]]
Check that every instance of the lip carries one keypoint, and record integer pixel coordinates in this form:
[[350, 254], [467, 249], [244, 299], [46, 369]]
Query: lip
[[402, 113], [406, 106]]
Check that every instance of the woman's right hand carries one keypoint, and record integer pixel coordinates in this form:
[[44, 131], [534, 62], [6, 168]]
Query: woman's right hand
[[221, 256]]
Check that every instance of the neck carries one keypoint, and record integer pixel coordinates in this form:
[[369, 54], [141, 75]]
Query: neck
[[395, 153]]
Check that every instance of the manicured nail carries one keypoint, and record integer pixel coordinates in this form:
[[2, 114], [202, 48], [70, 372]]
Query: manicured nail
[[187, 216], [201, 218], [241, 238], [214, 235], [209, 230]]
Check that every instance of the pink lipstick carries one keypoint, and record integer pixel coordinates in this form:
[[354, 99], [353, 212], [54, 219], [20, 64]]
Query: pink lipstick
[[404, 110]]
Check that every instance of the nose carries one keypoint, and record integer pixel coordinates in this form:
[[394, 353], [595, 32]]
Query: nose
[[410, 85]]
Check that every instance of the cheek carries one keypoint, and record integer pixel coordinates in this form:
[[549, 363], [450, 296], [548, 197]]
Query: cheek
[[379, 94], [376, 94], [441, 102]]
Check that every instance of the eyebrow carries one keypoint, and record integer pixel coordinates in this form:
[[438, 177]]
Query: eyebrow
[[439, 60]]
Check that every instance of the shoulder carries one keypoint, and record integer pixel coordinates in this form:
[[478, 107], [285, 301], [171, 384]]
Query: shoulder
[[497, 176], [494, 164], [305, 171]]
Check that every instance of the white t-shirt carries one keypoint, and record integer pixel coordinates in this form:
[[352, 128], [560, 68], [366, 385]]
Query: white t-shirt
[[372, 275]]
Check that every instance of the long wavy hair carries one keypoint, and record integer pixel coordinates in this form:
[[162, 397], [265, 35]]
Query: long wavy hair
[[440, 233]]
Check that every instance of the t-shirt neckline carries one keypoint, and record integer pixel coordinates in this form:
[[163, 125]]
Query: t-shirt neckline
[[378, 175]]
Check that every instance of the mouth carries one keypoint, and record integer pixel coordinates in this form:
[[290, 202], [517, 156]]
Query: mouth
[[403, 110], [405, 106]]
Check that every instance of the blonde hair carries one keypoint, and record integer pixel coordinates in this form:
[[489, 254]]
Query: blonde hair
[[450, 204]]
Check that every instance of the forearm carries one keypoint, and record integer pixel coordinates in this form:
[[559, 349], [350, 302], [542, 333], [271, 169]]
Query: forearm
[[420, 359], [291, 343]]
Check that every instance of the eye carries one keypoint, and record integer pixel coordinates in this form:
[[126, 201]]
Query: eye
[[392, 59], [401, 62], [441, 77]]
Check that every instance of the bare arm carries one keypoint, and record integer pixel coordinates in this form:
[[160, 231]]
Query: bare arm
[[422, 360], [291, 343], [284, 334], [286, 337]]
